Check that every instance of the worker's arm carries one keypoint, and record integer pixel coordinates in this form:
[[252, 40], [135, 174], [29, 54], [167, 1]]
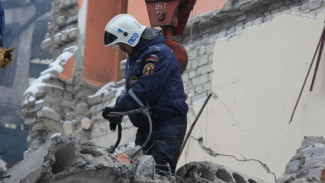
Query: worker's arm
[[152, 83]]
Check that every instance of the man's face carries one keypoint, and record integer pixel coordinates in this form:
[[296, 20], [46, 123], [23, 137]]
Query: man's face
[[125, 48]]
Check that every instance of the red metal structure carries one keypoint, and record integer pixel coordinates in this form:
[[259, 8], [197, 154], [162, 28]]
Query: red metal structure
[[171, 16]]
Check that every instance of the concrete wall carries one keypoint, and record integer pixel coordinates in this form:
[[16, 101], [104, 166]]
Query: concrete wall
[[254, 63]]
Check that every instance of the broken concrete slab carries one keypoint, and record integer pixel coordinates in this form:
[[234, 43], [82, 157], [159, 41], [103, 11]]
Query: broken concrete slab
[[145, 165], [308, 163], [29, 169], [86, 123], [64, 159], [211, 172]]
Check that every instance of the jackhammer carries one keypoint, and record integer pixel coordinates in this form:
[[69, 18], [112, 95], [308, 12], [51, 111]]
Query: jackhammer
[[146, 113], [119, 128]]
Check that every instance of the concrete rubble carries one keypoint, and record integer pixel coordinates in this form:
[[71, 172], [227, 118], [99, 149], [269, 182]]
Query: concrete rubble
[[211, 172], [64, 159], [308, 163]]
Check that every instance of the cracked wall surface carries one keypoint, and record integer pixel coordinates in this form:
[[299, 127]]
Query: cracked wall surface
[[259, 58]]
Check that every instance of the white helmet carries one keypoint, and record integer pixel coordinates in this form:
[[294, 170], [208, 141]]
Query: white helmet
[[123, 28]]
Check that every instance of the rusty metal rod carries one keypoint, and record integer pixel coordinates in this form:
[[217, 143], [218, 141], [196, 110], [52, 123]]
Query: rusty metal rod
[[7, 150], [320, 51], [311, 65], [192, 126]]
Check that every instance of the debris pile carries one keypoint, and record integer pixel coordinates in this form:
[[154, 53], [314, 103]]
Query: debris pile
[[308, 163], [63, 31], [212, 172], [65, 159]]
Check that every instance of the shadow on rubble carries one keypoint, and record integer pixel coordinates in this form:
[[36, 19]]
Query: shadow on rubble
[[63, 159], [210, 172]]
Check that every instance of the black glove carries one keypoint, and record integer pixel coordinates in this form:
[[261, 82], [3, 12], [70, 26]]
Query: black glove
[[112, 126], [114, 120]]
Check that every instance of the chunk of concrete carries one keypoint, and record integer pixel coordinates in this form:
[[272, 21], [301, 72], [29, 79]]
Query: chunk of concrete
[[145, 171], [63, 159], [293, 166], [211, 172], [68, 128], [29, 169], [85, 123], [145, 166]]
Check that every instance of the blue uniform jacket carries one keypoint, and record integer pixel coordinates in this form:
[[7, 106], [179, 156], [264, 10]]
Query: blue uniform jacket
[[153, 75]]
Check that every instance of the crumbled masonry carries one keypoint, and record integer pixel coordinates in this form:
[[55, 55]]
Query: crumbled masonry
[[211, 172], [308, 163], [63, 160]]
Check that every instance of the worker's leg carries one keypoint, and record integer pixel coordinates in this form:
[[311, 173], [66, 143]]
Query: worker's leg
[[141, 137], [164, 145]]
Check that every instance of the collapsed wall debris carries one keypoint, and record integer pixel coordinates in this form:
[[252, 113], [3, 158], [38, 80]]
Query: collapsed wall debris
[[63, 31], [64, 159], [212, 172], [308, 163]]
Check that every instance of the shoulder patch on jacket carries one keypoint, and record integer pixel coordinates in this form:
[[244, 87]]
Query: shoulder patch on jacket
[[133, 80], [148, 69], [152, 58]]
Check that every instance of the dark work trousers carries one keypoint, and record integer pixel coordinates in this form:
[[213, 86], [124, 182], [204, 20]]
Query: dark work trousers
[[164, 144]]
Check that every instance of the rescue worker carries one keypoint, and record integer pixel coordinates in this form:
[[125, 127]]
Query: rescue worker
[[5, 54], [152, 79]]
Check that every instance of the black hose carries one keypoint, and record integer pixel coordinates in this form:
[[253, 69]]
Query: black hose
[[149, 134], [119, 136]]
